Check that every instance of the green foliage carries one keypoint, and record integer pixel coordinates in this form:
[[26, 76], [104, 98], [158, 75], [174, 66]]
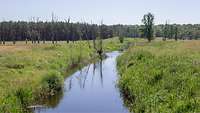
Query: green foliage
[[170, 31], [121, 39], [54, 31], [148, 21], [161, 78], [36, 31], [24, 97], [51, 84], [175, 32]]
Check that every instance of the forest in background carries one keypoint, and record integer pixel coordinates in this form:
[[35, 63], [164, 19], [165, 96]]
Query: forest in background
[[54, 31]]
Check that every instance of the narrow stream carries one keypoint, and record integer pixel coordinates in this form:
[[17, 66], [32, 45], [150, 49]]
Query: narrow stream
[[91, 89]]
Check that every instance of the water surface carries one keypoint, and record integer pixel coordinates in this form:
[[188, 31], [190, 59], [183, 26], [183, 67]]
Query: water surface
[[90, 90]]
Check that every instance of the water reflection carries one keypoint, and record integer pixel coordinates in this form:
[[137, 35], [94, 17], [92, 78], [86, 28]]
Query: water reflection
[[81, 78], [91, 89], [55, 100]]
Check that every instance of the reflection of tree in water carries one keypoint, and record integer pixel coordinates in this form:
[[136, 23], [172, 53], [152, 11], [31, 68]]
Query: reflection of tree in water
[[101, 73], [94, 68], [82, 77]]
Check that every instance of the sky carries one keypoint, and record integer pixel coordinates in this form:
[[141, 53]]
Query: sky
[[110, 11]]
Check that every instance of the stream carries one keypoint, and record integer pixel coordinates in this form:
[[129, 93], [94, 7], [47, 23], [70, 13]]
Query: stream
[[91, 89]]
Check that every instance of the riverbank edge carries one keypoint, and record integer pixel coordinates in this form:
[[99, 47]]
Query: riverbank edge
[[158, 53]]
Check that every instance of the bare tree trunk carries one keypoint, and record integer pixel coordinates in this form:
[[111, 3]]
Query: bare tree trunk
[[100, 50], [38, 39], [80, 54], [164, 38], [94, 44], [56, 40], [34, 40], [52, 39], [14, 42], [0, 40], [13, 39], [26, 41], [71, 55], [86, 28], [4, 41], [100, 42]]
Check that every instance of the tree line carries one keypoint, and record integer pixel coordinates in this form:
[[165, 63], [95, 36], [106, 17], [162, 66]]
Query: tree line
[[39, 31], [177, 31], [50, 31]]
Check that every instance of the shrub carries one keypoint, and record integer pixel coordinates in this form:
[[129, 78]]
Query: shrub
[[121, 39], [51, 84]]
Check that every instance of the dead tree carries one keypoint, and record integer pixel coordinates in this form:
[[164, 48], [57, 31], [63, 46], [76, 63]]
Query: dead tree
[[52, 30]]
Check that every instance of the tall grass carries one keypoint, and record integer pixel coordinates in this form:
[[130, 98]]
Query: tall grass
[[29, 72], [161, 77]]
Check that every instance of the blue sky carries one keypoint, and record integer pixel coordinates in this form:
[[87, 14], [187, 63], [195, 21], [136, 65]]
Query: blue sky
[[111, 11]]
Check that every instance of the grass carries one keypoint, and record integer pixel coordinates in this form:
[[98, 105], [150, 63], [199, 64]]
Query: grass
[[34, 71], [161, 77]]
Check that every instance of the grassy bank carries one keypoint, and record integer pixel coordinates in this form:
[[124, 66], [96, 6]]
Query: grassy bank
[[31, 71], [161, 77]]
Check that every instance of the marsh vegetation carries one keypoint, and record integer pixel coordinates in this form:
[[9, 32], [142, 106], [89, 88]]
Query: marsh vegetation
[[161, 77]]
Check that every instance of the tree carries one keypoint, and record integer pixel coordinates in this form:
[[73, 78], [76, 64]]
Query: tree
[[171, 31], [52, 28], [0, 34], [148, 20], [166, 31], [4, 31], [121, 36], [176, 32], [66, 29]]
